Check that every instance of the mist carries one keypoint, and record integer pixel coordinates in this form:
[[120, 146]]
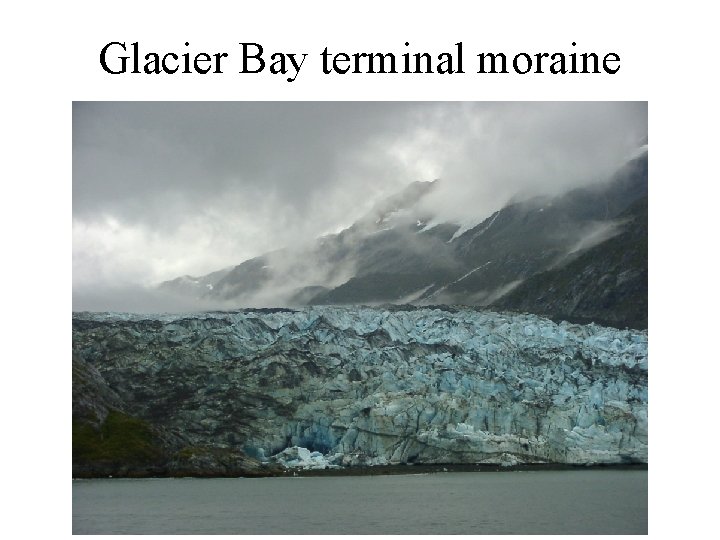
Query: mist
[[162, 190]]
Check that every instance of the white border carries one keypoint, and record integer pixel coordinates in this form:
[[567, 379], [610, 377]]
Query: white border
[[50, 53]]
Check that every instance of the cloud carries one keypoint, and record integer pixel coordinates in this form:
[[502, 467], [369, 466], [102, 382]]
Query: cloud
[[166, 189]]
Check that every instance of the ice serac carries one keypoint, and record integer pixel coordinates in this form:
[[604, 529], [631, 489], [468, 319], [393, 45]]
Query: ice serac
[[327, 386]]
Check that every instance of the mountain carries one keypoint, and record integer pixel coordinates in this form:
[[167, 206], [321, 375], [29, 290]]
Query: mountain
[[251, 392], [396, 254], [607, 284], [195, 286], [389, 240]]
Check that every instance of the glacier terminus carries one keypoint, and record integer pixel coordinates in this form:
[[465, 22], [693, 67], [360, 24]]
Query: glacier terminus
[[232, 392]]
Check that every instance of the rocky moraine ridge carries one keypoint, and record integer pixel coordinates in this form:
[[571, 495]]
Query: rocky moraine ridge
[[256, 391]]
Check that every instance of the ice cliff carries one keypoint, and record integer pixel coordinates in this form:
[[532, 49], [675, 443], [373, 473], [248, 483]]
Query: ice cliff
[[350, 386]]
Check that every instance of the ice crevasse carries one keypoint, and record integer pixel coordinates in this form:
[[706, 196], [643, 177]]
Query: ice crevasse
[[341, 386]]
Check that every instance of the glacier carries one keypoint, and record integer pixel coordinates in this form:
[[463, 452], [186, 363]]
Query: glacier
[[325, 387]]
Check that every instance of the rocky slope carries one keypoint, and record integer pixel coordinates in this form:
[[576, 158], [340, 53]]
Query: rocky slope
[[251, 391], [607, 284]]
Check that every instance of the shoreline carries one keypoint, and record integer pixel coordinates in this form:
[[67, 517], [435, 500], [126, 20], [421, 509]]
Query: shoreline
[[384, 470], [387, 470]]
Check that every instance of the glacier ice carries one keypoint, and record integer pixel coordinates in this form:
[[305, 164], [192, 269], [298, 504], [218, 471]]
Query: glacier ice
[[299, 457], [336, 386]]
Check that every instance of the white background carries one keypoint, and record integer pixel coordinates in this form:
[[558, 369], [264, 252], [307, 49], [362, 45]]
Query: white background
[[50, 57]]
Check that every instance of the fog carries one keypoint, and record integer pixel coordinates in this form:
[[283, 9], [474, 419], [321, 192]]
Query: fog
[[162, 190]]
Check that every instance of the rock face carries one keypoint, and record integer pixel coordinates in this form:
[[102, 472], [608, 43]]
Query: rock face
[[607, 284], [359, 386]]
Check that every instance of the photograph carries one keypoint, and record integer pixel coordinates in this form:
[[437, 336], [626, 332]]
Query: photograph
[[360, 317]]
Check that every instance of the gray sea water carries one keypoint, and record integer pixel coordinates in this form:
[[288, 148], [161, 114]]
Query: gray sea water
[[534, 502]]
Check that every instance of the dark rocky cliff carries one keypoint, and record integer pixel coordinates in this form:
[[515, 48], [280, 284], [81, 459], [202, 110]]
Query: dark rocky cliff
[[607, 284]]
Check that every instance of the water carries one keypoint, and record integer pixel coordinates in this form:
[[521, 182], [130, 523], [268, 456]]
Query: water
[[547, 502]]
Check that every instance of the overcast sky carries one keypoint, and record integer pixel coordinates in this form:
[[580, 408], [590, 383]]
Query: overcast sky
[[166, 189]]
